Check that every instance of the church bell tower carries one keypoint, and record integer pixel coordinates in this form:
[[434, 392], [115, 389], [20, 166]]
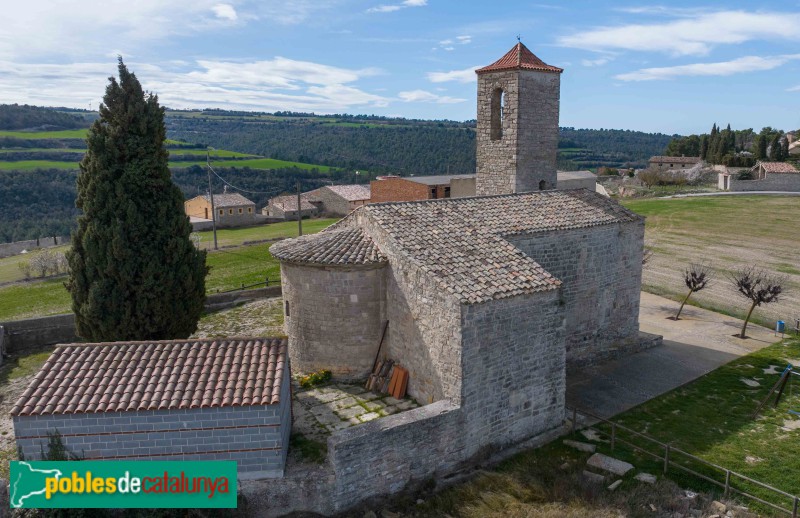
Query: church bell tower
[[517, 134]]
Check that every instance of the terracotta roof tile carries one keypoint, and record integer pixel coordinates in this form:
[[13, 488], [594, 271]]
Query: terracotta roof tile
[[289, 203], [519, 58], [229, 200], [120, 376], [354, 192], [778, 167], [332, 246]]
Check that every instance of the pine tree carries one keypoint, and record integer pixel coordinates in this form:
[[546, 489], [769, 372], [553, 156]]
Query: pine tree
[[135, 274]]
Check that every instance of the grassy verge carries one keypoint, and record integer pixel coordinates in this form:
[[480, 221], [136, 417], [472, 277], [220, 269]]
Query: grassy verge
[[31, 135], [230, 269]]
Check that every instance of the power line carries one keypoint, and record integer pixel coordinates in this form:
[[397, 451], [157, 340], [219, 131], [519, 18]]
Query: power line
[[275, 191]]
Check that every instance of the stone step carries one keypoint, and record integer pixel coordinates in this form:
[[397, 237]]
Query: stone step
[[581, 446], [609, 464]]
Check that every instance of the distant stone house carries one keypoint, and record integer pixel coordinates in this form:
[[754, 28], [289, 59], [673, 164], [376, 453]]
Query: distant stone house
[[230, 209], [765, 176], [673, 163], [210, 399], [286, 207], [339, 200]]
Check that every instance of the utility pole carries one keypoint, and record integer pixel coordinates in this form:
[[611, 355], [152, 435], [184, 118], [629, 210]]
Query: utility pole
[[211, 197], [299, 212]]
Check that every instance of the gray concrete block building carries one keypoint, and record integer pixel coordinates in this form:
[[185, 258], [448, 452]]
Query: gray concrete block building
[[487, 298], [224, 399]]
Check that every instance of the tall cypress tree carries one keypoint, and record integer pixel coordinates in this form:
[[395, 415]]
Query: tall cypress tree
[[135, 274]]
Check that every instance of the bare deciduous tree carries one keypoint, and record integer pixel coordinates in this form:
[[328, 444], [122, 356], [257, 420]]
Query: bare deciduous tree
[[696, 277], [759, 286]]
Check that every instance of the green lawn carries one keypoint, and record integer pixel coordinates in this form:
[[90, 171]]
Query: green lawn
[[215, 153], [230, 268], [712, 419], [29, 165], [30, 135], [237, 236], [256, 163]]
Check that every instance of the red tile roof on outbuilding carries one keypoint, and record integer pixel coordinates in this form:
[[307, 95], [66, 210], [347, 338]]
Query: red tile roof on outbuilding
[[157, 375], [519, 58], [778, 167]]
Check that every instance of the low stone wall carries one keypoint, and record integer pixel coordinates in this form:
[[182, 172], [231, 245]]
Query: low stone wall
[[773, 182], [22, 336], [377, 459], [9, 249]]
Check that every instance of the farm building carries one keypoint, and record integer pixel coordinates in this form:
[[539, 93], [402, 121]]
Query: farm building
[[339, 200], [225, 399], [764, 176], [673, 163], [285, 207], [229, 209]]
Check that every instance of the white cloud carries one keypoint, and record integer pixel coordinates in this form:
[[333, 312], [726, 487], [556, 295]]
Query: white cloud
[[90, 27], [724, 68], [225, 11], [446, 42], [428, 97], [794, 89], [690, 36], [464, 40], [396, 7], [462, 76], [277, 84], [594, 62]]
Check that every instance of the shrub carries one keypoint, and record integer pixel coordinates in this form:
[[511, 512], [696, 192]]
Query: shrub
[[315, 378]]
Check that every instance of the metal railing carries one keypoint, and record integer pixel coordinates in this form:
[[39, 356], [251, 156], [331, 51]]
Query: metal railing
[[668, 459], [265, 283]]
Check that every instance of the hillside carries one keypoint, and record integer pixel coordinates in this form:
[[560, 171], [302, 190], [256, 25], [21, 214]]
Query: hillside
[[25, 117], [387, 145]]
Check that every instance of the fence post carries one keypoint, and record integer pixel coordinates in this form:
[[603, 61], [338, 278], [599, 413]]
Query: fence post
[[574, 419], [794, 509], [727, 481], [666, 458], [613, 435]]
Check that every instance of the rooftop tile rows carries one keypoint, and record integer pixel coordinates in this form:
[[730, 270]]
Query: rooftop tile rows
[[335, 245], [228, 200], [131, 376], [779, 167], [519, 57]]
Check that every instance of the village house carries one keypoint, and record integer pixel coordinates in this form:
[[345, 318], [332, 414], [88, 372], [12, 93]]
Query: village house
[[338, 200], [285, 207], [229, 209], [673, 163]]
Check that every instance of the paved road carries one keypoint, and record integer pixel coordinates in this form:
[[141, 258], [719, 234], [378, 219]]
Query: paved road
[[698, 343]]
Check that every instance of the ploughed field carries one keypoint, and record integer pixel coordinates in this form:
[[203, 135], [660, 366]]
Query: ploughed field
[[726, 232]]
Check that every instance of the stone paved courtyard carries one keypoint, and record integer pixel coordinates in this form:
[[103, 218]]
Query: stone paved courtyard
[[319, 411]]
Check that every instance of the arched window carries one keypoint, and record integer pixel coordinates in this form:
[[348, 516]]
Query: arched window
[[498, 100], [542, 185]]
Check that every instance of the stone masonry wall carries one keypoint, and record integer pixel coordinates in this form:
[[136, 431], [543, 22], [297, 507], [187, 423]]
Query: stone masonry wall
[[773, 182], [335, 317], [514, 369], [257, 437], [526, 153], [332, 203], [424, 333], [600, 268], [9, 249]]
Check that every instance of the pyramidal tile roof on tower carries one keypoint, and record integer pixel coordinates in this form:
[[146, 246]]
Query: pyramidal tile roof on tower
[[520, 58]]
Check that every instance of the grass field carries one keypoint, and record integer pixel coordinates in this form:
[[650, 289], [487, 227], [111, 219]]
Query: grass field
[[30, 165], [9, 266], [30, 135], [712, 418], [230, 268], [256, 163], [726, 232], [42, 149]]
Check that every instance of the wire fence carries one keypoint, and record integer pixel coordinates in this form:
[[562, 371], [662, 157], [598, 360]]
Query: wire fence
[[670, 457]]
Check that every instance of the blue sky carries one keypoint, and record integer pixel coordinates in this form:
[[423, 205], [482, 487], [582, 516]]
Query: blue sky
[[675, 67]]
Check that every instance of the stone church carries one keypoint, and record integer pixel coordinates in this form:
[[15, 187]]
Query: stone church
[[489, 298]]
